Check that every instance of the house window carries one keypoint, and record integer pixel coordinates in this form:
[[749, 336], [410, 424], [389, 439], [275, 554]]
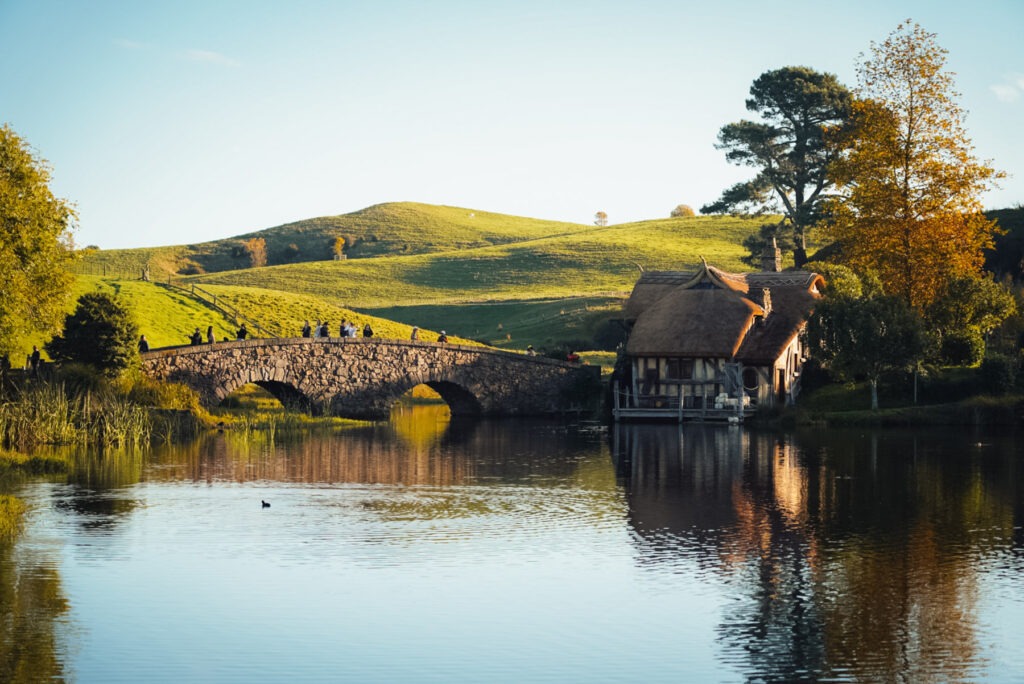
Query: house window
[[679, 369]]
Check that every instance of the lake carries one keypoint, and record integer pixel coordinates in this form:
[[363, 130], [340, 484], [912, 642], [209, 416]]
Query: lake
[[525, 551]]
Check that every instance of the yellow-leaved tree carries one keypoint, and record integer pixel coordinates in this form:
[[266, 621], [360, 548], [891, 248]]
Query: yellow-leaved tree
[[911, 185], [35, 248]]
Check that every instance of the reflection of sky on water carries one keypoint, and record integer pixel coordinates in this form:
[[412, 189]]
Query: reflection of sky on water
[[534, 551]]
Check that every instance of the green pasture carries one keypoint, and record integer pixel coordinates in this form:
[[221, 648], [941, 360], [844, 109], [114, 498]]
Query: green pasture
[[545, 323], [597, 262], [502, 280], [398, 228], [168, 316]]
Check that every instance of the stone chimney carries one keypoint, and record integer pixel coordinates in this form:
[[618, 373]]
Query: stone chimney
[[763, 298], [771, 258]]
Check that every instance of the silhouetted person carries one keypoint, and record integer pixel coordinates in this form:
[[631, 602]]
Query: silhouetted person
[[367, 331], [34, 361], [210, 339], [243, 332], [197, 337], [306, 330], [143, 344], [442, 338]]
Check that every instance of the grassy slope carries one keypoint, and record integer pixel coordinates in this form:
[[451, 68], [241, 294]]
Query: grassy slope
[[597, 261], [168, 316], [462, 270], [399, 228]]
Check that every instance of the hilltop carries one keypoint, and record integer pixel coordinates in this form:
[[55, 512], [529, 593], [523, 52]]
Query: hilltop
[[392, 229], [503, 280]]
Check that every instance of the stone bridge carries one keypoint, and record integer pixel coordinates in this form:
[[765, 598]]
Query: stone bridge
[[362, 377]]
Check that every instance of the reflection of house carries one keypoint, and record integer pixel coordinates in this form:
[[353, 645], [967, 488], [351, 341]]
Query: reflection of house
[[711, 344]]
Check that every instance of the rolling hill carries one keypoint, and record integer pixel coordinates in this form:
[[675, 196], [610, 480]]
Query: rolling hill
[[503, 280]]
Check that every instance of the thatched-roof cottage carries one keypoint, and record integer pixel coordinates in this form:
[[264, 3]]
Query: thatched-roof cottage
[[712, 344]]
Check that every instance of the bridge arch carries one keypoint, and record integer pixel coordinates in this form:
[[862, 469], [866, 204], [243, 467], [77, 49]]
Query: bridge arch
[[289, 396], [362, 378]]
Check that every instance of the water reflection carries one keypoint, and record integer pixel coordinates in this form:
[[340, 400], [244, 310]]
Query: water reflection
[[420, 447], [396, 548], [32, 603], [849, 555]]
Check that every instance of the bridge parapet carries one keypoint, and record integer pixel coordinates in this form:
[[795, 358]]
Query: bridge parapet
[[362, 377]]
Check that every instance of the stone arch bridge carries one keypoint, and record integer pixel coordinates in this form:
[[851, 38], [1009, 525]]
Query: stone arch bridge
[[362, 377]]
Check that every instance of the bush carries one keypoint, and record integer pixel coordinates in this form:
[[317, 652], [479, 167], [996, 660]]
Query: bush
[[962, 348], [100, 333], [608, 336], [79, 378], [683, 211], [997, 375], [166, 395]]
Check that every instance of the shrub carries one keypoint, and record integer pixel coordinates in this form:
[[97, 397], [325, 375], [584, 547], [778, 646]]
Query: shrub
[[997, 374], [962, 348], [683, 211]]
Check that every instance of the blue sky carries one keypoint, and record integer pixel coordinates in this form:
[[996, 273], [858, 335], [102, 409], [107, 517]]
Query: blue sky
[[180, 122]]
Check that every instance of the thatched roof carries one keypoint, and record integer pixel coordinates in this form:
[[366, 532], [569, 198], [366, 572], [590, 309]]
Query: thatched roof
[[715, 314]]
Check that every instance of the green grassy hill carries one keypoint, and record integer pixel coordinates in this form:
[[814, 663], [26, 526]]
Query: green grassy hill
[[503, 280], [167, 316], [592, 262], [399, 228]]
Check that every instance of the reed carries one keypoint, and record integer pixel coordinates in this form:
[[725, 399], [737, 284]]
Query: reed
[[12, 511], [48, 413]]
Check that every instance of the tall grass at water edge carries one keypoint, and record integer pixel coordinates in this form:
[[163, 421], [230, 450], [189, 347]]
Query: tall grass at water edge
[[49, 414]]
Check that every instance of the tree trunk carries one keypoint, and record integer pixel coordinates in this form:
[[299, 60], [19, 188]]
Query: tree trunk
[[874, 394], [800, 250]]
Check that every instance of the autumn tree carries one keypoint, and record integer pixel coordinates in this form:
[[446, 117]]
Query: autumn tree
[[788, 148], [256, 249], [35, 247], [600, 219], [683, 211], [910, 182]]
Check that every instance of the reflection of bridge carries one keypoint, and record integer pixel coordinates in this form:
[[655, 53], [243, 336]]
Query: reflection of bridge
[[362, 378]]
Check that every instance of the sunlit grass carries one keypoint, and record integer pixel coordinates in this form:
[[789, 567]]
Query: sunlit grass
[[504, 280]]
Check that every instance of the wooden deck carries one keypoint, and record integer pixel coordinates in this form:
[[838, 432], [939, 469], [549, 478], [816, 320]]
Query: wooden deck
[[710, 408]]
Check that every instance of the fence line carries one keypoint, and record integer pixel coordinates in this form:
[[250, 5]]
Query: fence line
[[218, 302]]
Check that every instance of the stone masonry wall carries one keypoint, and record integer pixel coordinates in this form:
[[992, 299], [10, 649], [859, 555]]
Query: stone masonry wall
[[361, 378]]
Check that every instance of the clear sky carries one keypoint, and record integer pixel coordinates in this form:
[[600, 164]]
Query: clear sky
[[179, 122]]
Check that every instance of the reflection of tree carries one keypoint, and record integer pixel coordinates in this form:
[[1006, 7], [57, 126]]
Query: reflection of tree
[[435, 453], [98, 475], [31, 603], [855, 556]]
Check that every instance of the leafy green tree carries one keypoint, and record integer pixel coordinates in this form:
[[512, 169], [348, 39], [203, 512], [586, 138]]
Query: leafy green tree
[[100, 333], [840, 281], [35, 247], [788, 148], [977, 305], [866, 338], [910, 182]]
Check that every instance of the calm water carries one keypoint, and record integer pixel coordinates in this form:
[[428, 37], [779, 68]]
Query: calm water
[[525, 552]]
